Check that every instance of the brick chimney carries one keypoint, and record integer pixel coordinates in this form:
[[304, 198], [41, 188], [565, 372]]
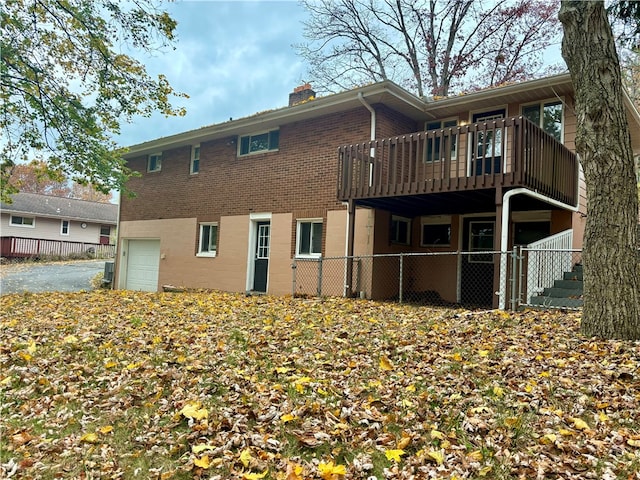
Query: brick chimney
[[301, 94]]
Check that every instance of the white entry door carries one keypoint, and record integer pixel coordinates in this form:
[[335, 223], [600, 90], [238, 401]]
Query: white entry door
[[143, 264]]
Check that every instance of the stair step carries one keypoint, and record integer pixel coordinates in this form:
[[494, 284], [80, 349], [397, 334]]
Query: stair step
[[562, 292], [557, 302], [570, 284], [575, 275]]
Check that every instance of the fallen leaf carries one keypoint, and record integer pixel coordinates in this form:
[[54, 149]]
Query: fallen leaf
[[385, 364], [394, 455]]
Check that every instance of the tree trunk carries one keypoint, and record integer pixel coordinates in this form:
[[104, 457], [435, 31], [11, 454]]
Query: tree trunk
[[603, 143]]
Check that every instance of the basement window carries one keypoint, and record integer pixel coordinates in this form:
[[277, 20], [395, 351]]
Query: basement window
[[208, 244]]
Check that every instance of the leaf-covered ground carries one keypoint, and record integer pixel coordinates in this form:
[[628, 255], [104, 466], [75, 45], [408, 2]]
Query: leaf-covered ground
[[200, 385]]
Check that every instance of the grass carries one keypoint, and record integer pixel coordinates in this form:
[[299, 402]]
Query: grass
[[112, 384]]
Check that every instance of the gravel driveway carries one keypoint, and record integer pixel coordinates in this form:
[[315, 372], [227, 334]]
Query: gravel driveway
[[49, 277]]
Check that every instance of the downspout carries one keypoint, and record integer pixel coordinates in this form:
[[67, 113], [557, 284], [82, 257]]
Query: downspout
[[504, 237], [373, 115], [348, 248]]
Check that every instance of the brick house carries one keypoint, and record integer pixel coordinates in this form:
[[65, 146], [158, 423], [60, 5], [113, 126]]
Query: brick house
[[367, 171]]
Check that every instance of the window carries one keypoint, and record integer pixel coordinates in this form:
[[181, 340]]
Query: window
[[436, 231], [260, 142], [208, 245], [64, 227], [105, 234], [400, 230], [195, 160], [433, 146], [481, 240], [154, 162], [309, 238], [22, 221], [547, 115]]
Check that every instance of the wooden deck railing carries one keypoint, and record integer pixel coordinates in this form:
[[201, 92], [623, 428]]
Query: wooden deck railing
[[21, 247], [509, 152]]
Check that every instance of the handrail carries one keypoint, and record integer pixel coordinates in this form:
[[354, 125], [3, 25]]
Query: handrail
[[506, 152]]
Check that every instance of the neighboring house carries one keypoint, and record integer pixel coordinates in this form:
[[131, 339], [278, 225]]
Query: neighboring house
[[229, 206], [36, 225]]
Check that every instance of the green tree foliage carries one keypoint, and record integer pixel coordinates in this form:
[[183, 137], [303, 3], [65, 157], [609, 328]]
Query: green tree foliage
[[67, 85]]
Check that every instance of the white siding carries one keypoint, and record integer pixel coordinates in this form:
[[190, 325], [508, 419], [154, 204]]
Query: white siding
[[49, 229]]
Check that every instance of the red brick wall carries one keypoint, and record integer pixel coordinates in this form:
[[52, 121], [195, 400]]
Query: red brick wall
[[300, 177]]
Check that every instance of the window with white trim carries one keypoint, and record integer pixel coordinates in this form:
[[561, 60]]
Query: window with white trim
[[195, 160], [64, 227], [259, 142], [547, 115], [309, 238], [18, 221], [435, 231], [154, 162], [400, 230], [208, 241], [433, 145]]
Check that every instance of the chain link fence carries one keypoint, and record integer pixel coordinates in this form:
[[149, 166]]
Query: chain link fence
[[479, 279]]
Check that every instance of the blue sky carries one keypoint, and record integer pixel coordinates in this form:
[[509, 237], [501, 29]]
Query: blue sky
[[233, 59]]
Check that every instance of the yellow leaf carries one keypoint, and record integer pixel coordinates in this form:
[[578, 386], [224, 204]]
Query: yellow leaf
[[394, 455], [202, 447], [89, 438], [457, 357], [110, 364], [548, 439], [287, 417], [483, 353], [476, 456], [385, 364], [410, 388], [6, 381], [294, 471], [633, 443], [436, 456], [283, 369], [245, 457], [106, 429], [565, 433], [32, 347], [485, 470], [403, 443], [255, 476], [27, 357], [70, 339], [498, 391], [193, 410], [580, 424], [511, 421], [329, 471], [437, 434], [202, 462]]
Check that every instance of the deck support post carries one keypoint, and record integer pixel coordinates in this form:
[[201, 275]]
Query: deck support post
[[351, 229], [498, 285]]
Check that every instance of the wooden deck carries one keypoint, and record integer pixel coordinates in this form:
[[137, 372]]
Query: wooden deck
[[505, 153]]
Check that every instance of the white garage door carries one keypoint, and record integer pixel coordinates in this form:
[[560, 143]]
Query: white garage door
[[143, 265]]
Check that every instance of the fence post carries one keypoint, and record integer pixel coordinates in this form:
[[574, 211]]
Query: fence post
[[294, 267], [400, 285], [514, 277], [319, 288]]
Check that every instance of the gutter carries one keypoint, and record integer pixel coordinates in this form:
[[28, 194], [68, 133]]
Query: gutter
[[504, 233]]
